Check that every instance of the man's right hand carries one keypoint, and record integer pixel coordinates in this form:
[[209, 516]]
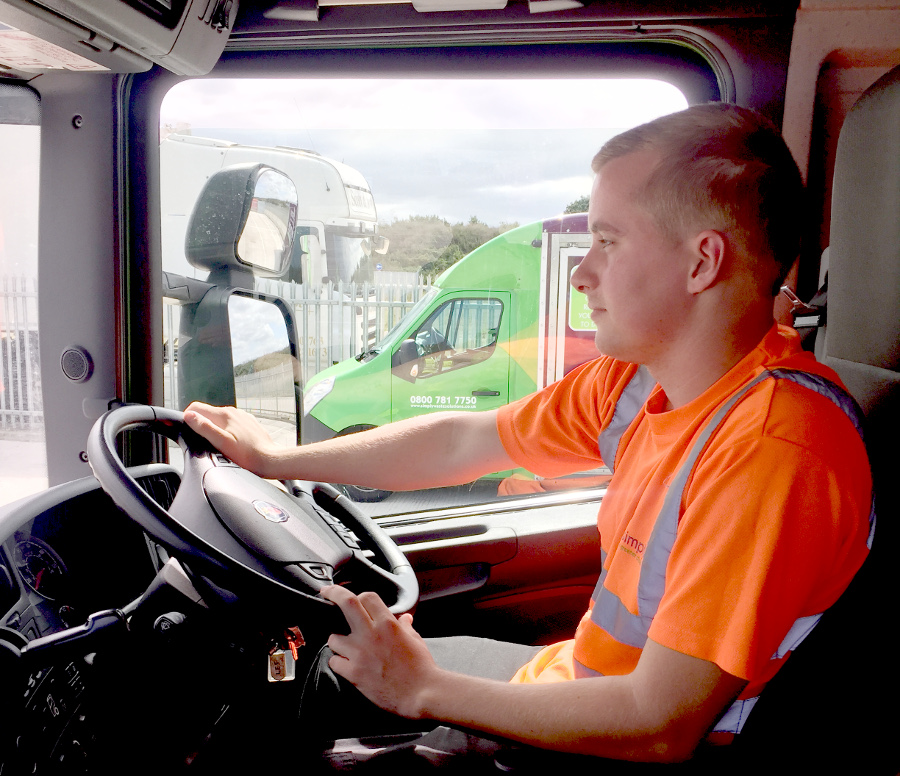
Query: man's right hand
[[236, 434]]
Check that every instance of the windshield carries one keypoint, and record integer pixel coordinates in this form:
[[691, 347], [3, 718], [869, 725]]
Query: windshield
[[398, 180]]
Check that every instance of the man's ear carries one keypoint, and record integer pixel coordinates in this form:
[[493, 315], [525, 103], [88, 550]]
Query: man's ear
[[709, 253]]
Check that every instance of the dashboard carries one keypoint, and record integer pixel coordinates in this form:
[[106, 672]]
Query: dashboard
[[65, 554], [177, 684], [63, 560]]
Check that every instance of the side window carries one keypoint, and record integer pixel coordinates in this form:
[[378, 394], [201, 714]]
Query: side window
[[23, 459], [460, 333]]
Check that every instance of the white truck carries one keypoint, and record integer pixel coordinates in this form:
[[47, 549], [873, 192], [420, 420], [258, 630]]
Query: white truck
[[336, 235], [337, 222]]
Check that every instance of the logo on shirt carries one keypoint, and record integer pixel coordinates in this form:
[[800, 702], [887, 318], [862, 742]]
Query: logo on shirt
[[632, 546]]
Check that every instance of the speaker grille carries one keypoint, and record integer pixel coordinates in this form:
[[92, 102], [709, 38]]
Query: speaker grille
[[76, 364]]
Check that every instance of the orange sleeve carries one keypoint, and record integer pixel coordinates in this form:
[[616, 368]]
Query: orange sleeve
[[554, 432]]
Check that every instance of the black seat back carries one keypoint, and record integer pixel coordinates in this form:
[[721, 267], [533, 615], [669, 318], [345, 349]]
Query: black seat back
[[833, 706]]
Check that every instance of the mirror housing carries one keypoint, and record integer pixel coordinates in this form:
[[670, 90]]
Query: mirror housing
[[243, 225], [408, 351], [405, 361]]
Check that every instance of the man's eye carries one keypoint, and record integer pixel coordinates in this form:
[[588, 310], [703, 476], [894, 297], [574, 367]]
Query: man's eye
[[603, 243]]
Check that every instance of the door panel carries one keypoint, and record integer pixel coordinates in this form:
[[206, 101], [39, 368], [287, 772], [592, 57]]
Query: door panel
[[463, 359], [521, 575]]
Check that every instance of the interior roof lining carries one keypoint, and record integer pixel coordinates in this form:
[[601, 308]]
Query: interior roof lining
[[251, 20], [682, 65]]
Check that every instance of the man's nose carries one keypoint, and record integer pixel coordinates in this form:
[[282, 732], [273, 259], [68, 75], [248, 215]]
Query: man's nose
[[584, 276]]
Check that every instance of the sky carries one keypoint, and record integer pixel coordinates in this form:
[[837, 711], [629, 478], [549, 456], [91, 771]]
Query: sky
[[500, 150]]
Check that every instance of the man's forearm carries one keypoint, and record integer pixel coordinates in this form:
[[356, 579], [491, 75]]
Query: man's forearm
[[600, 716], [659, 712], [445, 449]]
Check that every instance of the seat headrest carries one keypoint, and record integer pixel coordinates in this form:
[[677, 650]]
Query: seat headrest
[[864, 264]]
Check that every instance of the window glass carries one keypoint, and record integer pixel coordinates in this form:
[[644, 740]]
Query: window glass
[[23, 458], [461, 333], [423, 276]]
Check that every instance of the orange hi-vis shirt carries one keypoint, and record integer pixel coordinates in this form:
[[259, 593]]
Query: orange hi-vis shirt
[[773, 521]]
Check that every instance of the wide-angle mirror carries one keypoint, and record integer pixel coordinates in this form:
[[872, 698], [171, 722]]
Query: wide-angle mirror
[[242, 224], [265, 381]]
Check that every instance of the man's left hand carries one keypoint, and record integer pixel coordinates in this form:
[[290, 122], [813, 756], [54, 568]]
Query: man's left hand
[[383, 656]]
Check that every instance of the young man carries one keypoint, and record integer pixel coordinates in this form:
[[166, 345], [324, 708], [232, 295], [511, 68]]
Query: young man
[[740, 504]]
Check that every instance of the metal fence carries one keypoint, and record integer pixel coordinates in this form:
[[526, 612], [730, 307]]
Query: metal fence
[[337, 321], [334, 321], [21, 406]]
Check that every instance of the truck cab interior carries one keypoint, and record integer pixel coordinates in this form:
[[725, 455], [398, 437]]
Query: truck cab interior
[[140, 617]]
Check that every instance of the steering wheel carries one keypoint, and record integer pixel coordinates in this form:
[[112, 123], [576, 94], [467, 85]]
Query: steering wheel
[[243, 533]]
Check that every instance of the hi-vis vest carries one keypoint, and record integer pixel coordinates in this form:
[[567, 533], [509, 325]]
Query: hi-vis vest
[[608, 612]]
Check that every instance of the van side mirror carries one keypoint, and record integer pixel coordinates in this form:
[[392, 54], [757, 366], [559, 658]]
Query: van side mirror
[[405, 360], [408, 351]]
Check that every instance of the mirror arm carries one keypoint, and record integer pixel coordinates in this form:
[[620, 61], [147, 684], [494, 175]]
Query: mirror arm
[[184, 289], [231, 277]]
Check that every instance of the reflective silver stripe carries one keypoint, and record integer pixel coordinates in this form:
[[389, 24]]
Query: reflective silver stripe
[[824, 387], [801, 628], [609, 612], [627, 408], [732, 721], [613, 616], [842, 399]]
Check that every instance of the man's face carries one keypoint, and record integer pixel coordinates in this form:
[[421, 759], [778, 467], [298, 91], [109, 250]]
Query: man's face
[[634, 277]]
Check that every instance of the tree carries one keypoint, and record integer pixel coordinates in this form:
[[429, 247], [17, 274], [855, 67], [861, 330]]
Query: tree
[[431, 244], [415, 241], [580, 205]]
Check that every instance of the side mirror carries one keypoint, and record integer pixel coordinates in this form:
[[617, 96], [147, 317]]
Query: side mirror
[[380, 244], [265, 365], [405, 361], [243, 225], [237, 346], [408, 351]]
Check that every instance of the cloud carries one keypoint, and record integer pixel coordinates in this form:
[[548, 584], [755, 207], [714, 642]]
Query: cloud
[[501, 150]]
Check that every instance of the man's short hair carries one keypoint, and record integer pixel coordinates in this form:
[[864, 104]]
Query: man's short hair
[[722, 167]]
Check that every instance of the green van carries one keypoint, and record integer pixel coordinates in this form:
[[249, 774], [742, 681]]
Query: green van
[[498, 325]]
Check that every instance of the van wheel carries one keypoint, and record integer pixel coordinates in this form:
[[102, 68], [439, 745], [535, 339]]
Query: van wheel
[[364, 495], [357, 493]]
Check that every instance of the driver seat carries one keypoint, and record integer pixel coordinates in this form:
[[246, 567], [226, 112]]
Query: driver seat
[[827, 709]]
